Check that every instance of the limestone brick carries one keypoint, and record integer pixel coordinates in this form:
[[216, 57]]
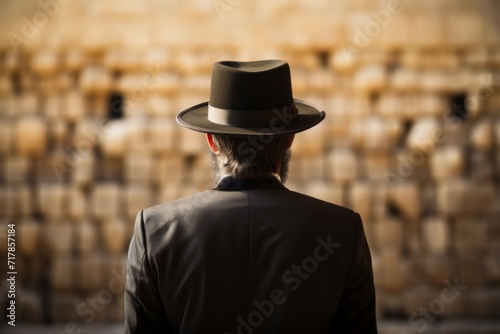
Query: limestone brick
[[30, 236], [481, 136], [342, 165], [62, 272], [389, 233], [163, 136], [114, 236], [436, 235], [470, 236], [86, 238], [95, 79], [16, 169], [138, 167], [370, 78], [447, 162], [424, 135], [459, 196], [30, 133], [407, 199], [360, 199], [136, 198], [89, 272], [45, 62], [326, 192], [106, 200], [58, 238]]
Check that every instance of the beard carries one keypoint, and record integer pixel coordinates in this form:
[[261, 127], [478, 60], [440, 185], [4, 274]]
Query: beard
[[218, 172]]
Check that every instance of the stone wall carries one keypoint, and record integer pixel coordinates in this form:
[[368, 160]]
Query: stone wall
[[88, 95]]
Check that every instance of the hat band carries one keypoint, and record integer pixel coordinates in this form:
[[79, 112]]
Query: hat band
[[270, 118]]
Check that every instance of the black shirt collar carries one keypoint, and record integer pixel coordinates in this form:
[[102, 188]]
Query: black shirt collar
[[232, 183]]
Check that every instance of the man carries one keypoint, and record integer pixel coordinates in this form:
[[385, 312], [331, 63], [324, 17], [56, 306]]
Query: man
[[249, 256]]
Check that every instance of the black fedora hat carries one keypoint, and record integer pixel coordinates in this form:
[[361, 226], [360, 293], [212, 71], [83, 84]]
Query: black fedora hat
[[251, 98]]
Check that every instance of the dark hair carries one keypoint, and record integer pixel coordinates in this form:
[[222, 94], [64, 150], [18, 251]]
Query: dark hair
[[252, 156]]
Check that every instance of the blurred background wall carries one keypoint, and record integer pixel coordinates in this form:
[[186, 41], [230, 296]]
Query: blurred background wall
[[89, 91]]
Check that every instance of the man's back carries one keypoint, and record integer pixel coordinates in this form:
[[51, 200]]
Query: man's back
[[249, 257]]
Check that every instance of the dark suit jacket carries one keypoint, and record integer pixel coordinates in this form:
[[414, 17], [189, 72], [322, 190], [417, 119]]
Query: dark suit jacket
[[249, 257]]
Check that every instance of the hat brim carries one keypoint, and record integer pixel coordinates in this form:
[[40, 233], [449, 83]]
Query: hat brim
[[196, 118]]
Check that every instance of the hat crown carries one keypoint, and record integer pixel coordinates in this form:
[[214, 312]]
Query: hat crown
[[254, 85]]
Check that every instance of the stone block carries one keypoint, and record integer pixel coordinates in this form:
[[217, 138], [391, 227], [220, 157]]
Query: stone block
[[73, 106], [343, 61], [29, 237], [426, 304], [191, 142], [389, 233], [159, 106], [45, 63], [30, 135], [163, 134], [481, 168], [82, 174], [309, 143], [110, 169], [424, 135], [116, 138], [136, 198], [393, 270], [497, 132], [138, 168], [342, 165], [106, 200], [370, 78], [431, 105], [376, 133], [115, 267], [325, 191], [447, 162], [63, 307], [6, 88], [404, 80], [16, 169], [483, 302], [360, 199], [90, 272], [457, 197], [470, 270], [157, 59], [95, 80], [62, 273], [481, 136], [434, 269], [58, 238], [375, 165], [406, 199], [29, 306], [121, 60], [167, 169], [73, 60], [6, 137], [165, 83], [114, 233], [86, 238], [58, 133], [54, 167], [52, 200], [16, 201], [77, 207], [436, 235], [471, 236]]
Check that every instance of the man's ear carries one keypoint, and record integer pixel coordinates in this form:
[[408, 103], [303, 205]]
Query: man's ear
[[291, 141], [211, 143]]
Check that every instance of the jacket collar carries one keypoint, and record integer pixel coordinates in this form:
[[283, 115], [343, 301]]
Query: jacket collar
[[232, 183]]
